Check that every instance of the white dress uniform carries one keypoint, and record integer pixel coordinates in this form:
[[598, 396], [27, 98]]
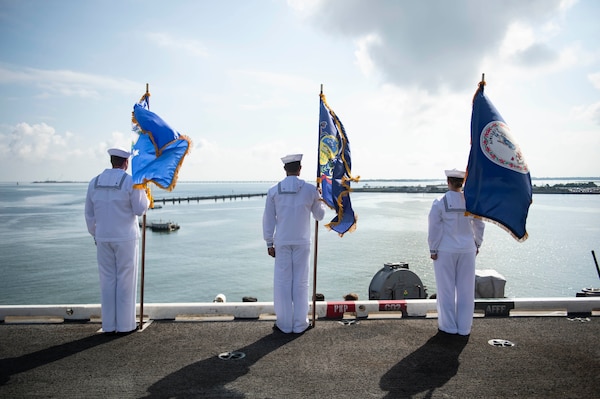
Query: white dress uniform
[[286, 226], [455, 239], [111, 209]]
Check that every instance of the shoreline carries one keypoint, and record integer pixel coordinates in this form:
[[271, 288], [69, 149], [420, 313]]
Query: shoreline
[[589, 188]]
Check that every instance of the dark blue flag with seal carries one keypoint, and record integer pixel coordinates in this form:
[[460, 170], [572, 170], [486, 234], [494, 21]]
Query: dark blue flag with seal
[[498, 182], [159, 150], [334, 169]]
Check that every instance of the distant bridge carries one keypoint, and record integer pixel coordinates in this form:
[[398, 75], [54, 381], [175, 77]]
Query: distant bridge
[[231, 197]]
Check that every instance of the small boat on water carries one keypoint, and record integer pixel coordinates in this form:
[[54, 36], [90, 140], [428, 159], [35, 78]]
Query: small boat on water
[[162, 226], [166, 226]]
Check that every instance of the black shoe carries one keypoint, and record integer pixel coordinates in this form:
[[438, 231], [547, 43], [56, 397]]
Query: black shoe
[[447, 334], [277, 329], [310, 327]]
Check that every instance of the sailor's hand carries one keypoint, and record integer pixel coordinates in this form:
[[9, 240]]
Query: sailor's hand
[[434, 256], [271, 251]]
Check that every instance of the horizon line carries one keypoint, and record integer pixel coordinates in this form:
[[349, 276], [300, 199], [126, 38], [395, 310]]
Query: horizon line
[[269, 181]]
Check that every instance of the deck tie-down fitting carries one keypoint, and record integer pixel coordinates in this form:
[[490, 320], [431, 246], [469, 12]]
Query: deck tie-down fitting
[[232, 355]]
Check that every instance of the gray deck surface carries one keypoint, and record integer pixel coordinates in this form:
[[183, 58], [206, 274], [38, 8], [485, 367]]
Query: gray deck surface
[[553, 357]]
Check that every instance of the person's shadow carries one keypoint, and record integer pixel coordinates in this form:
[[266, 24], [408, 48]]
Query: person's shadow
[[208, 377], [427, 368], [14, 365]]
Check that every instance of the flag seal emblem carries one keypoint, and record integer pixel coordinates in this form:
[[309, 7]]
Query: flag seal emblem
[[329, 147], [499, 146]]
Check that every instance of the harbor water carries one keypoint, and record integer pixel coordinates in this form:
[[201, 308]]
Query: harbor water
[[47, 256]]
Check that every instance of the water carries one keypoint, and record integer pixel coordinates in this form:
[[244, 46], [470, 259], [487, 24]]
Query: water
[[47, 256]]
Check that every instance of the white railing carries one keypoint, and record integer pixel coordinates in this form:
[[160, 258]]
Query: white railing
[[513, 307]]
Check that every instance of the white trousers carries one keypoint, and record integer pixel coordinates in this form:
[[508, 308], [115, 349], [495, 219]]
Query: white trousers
[[290, 287], [117, 266], [455, 281]]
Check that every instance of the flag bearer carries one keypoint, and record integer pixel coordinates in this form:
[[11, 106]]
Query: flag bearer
[[286, 229], [454, 241], [111, 209]]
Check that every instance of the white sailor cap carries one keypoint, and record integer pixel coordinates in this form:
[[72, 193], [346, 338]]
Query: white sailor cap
[[119, 152], [455, 173], [291, 158]]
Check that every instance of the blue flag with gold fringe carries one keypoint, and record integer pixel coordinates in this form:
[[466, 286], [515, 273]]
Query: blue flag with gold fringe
[[498, 182], [334, 171], [159, 151]]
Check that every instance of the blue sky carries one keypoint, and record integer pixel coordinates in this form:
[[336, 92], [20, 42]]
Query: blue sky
[[242, 79]]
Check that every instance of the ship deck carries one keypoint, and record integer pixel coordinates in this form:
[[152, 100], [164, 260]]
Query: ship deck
[[545, 353]]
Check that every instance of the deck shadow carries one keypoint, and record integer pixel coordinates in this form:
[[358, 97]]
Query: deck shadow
[[209, 377], [14, 365], [427, 368]]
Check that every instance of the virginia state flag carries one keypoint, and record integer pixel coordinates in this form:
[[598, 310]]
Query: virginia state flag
[[334, 170], [159, 151], [498, 183]]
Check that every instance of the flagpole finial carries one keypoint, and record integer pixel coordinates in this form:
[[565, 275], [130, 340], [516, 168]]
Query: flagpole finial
[[480, 87], [321, 88], [147, 95]]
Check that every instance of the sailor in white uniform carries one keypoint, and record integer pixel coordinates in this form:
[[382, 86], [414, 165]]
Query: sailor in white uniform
[[111, 209], [454, 240], [286, 230]]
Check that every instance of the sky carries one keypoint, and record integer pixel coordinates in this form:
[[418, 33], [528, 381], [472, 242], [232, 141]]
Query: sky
[[242, 78]]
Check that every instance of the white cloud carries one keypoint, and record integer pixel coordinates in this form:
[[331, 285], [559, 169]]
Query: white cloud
[[36, 143], [433, 44], [48, 153], [517, 39], [363, 58]]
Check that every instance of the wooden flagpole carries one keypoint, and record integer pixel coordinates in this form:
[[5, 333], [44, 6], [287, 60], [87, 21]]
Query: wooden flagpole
[[143, 245], [314, 296]]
